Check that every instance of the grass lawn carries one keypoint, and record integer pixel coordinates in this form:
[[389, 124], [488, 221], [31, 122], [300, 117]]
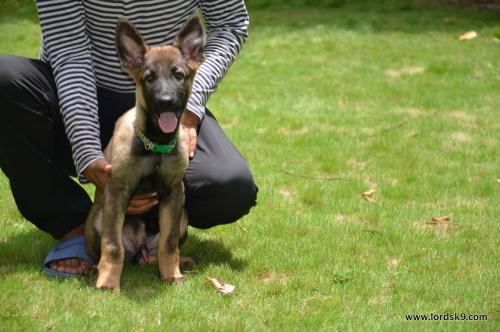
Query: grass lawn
[[328, 99]]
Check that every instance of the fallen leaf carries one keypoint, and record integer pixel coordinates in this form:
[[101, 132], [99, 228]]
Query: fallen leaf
[[468, 36], [368, 195], [440, 220], [222, 287], [442, 224]]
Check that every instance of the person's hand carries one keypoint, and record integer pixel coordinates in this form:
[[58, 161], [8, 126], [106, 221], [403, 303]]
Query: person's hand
[[191, 121], [99, 172], [142, 203]]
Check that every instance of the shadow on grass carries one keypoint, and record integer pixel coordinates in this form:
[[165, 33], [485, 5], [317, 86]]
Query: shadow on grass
[[210, 252], [142, 284], [23, 249], [25, 253]]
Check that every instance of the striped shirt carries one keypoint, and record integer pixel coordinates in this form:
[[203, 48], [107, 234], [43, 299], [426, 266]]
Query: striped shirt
[[78, 43]]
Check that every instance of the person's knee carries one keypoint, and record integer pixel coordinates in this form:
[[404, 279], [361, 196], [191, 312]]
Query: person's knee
[[235, 180], [238, 187], [9, 72], [227, 195]]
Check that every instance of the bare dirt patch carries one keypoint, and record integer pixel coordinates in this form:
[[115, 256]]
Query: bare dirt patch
[[273, 276], [412, 112], [463, 119], [293, 132], [286, 193], [405, 71], [460, 137], [356, 164]]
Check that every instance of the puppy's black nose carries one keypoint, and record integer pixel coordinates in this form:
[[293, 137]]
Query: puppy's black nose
[[165, 100]]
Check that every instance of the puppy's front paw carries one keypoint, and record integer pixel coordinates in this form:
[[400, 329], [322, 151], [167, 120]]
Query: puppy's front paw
[[109, 277], [175, 280], [111, 284], [172, 276]]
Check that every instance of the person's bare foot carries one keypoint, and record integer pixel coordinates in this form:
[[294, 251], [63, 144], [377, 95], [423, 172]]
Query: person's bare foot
[[71, 265]]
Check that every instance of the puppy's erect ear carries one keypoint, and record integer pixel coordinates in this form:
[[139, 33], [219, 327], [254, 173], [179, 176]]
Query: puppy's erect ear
[[130, 46], [191, 40]]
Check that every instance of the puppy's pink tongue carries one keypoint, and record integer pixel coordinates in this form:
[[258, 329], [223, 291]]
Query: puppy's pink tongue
[[167, 122]]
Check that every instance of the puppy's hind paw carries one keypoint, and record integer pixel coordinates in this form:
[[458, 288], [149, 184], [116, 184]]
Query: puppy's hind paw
[[188, 261]]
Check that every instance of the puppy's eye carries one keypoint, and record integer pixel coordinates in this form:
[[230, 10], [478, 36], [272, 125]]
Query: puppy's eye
[[149, 76], [179, 75]]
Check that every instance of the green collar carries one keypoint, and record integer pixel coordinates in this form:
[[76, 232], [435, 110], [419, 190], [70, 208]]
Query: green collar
[[155, 147]]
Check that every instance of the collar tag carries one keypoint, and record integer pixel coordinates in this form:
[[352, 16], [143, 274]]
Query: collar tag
[[155, 147]]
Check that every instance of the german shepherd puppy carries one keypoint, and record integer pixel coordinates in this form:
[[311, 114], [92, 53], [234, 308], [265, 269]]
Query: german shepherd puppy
[[148, 152]]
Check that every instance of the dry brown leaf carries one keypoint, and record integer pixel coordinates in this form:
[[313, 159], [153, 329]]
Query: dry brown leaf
[[442, 224], [368, 195], [468, 36], [440, 220], [222, 287]]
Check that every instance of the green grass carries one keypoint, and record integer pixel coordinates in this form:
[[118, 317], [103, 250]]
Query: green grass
[[379, 95]]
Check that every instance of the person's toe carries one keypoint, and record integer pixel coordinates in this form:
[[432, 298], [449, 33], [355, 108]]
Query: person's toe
[[74, 266], [79, 266], [65, 264], [71, 265], [59, 266]]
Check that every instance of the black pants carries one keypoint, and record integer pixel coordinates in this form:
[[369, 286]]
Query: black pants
[[35, 154]]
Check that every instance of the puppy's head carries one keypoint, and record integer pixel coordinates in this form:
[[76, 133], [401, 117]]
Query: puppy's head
[[163, 75]]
